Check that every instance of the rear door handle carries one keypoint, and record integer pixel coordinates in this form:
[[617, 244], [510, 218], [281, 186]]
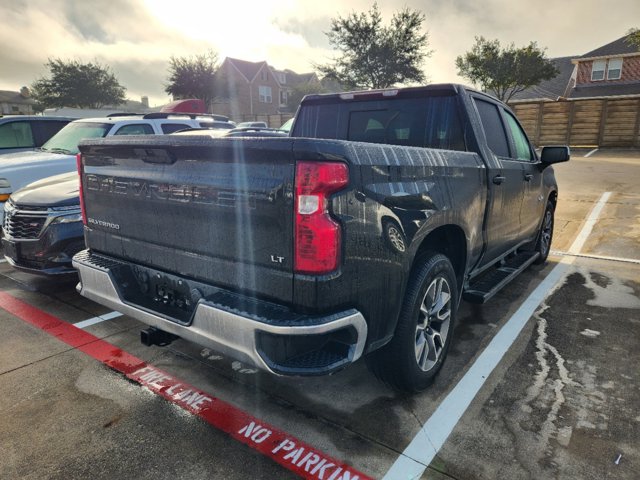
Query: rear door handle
[[498, 179], [528, 177]]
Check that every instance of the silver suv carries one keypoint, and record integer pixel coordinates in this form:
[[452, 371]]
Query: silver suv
[[58, 154]]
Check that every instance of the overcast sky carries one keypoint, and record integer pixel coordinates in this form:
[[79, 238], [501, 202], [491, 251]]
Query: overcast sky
[[137, 37]]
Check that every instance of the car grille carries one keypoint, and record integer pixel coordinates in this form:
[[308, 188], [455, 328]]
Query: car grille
[[24, 223]]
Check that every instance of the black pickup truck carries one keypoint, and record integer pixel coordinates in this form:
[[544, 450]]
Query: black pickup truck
[[357, 235]]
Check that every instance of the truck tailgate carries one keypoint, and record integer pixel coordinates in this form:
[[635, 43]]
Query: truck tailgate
[[218, 210]]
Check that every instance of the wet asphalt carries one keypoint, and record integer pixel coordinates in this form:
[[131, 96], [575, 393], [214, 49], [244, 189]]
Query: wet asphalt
[[562, 403]]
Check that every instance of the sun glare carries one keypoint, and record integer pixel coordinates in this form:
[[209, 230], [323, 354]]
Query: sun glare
[[243, 30]]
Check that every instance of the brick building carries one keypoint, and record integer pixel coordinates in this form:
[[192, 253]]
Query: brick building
[[255, 88], [612, 70]]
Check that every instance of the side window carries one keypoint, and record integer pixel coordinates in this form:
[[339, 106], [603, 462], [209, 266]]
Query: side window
[[135, 129], [16, 135], [173, 127], [264, 94], [493, 127], [523, 151], [45, 129]]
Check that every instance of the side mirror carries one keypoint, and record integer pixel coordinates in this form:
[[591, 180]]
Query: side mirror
[[555, 154]]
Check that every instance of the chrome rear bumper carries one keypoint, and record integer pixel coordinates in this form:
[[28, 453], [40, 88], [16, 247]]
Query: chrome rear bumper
[[238, 334]]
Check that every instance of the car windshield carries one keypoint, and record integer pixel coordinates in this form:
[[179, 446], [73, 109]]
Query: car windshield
[[286, 126], [66, 140]]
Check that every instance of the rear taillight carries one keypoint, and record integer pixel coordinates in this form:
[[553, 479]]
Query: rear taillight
[[317, 235], [80, 192]]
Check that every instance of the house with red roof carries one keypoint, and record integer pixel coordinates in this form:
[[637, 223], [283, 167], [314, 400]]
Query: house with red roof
[[609, 71], [612, 70], [255, 88]]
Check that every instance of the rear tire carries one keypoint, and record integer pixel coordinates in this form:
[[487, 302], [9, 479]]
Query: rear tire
[[416, 353], [545, 235]]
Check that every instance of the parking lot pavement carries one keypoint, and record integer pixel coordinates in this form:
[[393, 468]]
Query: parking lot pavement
[[295, 423], [561, 403], [67, 416], [564, 404], [581, 181]]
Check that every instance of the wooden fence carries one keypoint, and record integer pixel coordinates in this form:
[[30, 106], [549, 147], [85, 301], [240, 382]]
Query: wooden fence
[[589, 123]]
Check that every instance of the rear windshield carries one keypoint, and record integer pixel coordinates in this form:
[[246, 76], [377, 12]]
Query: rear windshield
[[432, 122], [66, 140]]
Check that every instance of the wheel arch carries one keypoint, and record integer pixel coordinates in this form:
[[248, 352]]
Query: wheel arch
[[449, 240]]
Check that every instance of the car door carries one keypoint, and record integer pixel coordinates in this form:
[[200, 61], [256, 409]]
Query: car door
[[533, 201], [502, 223]]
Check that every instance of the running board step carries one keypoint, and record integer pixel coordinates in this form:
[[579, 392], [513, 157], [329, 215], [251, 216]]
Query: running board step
[[489, 283]]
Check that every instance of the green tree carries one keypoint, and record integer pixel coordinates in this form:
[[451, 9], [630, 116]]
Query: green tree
[[373, 55], [504, 72], [193, 77], [75, 84], [633, 38]]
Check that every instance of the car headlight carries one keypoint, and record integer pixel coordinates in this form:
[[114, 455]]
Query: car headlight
[[4, 183], [71, 218]]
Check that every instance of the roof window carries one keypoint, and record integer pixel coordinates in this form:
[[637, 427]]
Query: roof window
[[597, 70], [610, 69], [614, 69]]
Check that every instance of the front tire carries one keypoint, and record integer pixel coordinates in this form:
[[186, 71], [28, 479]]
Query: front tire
[[415, 355], [545, 235]]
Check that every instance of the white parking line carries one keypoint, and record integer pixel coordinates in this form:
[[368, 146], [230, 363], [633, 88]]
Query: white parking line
[[429, 440], [2, 260], [98, 319], [590, 153], [580, 240], [597, 257]]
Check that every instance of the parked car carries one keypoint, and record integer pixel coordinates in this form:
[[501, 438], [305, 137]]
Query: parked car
[[42, 227], [204, 132], [256, 132], [286, 126], [58, 154], [358, 235], [218, 125], [26, 132], [252, 125]]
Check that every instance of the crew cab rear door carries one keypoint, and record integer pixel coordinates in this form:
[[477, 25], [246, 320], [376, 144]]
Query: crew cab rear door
[[505, 180]]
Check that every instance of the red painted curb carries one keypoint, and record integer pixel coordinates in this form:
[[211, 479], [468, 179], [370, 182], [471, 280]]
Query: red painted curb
[[282, 448]]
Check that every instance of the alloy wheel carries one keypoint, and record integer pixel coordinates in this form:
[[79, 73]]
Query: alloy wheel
[[433, 323]]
